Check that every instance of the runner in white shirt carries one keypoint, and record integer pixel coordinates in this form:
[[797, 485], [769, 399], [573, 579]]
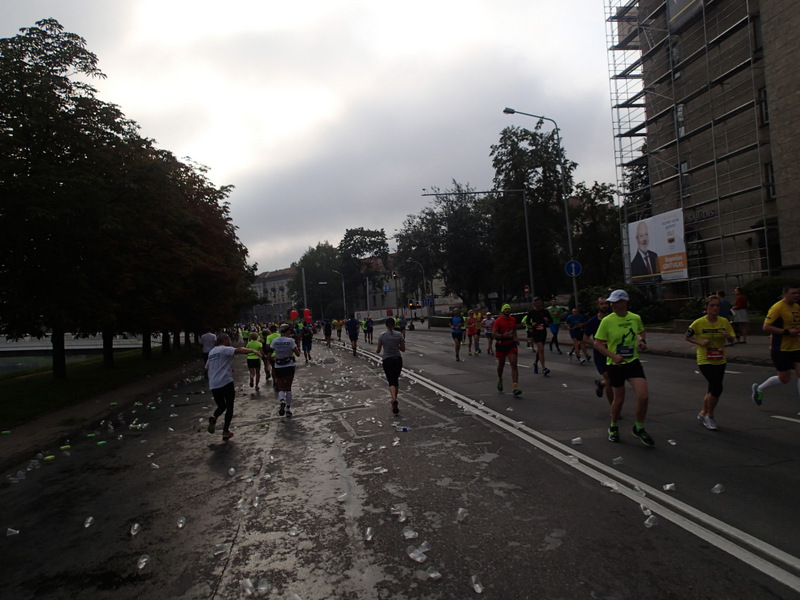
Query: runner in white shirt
[[220, 381]]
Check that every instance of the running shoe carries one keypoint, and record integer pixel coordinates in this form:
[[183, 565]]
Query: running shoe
[[582, 361], [571, 353], [613, 434], [499, 385], [212, 421], [282, 410], [710, 423], [226, 435], [643, 436], [288, 412], [535, 369], [516, 391], [458, 358], [545, 371], [757, 395], [395, 407], [560, 352], [598, 388]]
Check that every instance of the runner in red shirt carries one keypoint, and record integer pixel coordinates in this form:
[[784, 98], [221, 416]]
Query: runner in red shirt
[[504, 333]]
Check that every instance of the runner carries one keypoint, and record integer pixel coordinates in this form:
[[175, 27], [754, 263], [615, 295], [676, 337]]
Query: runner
[[457, 328], [556, 314], [338, 324], [538, 320], [285, 349], [254, 359], [353, 326], [487, 324], [783, 322], [273, 334], [220, 382], [472, 333], [617, 338], [740, 315], [504, 332], [575, 323], [306, 340], [392, 344], [710, 334], [370, 324], [599, 359], [326, 331]]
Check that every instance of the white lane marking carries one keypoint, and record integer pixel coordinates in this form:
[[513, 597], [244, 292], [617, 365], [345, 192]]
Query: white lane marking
[[792, 419], [660, 503]]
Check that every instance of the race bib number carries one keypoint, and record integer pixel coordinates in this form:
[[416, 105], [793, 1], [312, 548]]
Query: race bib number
[[625, 351], [715, 354]]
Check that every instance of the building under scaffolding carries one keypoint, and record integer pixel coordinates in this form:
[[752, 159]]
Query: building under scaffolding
[[705, 111]]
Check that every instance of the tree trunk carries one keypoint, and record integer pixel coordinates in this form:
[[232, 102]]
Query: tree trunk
[[165, 345], [176, 340], [147, 344], [59, 353], [108, 347], [187, 340]]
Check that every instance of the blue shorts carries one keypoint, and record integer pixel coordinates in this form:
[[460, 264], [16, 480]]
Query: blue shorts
[[600, 362]]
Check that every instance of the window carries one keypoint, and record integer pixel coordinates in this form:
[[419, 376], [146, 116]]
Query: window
[[769, 181], [763, 107]]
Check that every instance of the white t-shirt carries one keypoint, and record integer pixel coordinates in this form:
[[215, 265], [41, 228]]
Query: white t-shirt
[[218, 364], [208, 340], [487, 324], [284, 351]]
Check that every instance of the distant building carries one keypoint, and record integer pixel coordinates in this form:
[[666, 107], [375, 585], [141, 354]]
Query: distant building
[[704, 94], [273, 289]]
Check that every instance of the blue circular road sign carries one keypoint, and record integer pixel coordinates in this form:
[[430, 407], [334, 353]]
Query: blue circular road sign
[[573, 268]]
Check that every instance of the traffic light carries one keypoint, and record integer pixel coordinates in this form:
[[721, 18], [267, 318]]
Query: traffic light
[[394, 274], [410, 304], [419, 305]]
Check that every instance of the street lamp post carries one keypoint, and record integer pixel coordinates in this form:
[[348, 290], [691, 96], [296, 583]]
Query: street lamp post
[[511, 111], [424, 285], [344, 300]]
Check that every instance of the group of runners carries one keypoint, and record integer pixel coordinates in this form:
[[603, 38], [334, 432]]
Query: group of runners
[[615, 335]]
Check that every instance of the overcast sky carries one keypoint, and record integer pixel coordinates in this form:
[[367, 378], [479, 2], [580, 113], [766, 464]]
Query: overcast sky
[[334, 114]]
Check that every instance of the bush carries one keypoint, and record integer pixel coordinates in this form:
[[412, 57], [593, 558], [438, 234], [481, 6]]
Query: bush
[[655, 312], [694, 309]]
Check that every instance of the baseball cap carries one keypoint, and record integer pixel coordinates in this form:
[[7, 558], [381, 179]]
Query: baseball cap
[[505, 306], [618, 295]]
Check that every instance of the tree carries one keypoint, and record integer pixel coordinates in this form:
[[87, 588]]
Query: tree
[[363, 253], [319, 265], [530, 160], [595, 231]]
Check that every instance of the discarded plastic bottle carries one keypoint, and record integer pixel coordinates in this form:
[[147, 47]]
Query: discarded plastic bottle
[[181, 522], [10, 532], [379, 470], [576, 441], [718, 488], [645, 511], [409, 533], [294, 531], [669, 487], [135, 528], [401, 428], [342, 497], [432, 573], [247, 587], [154, 466], [651, 521], [143, 560], [461, 514], [416, 555], [424, 546], [231, 471], [88, 522], [369, 534], [476, 584], [263, 587], [617, 461]]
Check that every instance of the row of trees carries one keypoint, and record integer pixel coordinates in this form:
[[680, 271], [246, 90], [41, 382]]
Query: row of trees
[[101, 230], [475, 240]]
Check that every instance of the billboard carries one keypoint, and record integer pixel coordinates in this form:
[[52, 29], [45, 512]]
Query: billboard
[[658, 250]]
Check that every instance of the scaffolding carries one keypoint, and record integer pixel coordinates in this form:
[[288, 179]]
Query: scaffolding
[[688, 103]]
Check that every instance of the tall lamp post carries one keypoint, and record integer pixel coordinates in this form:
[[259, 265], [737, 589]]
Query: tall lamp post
[[511, 111], [424, 285], [344, 300]]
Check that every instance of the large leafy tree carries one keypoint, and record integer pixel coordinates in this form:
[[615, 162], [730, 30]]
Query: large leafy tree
[[595, 230], [363, 254], [322, 282], [100, 229], [530, 160]]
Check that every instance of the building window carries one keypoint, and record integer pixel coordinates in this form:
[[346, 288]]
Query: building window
[[679, 120], [763, 107], [769, 180], [684, 170], [755, 33]]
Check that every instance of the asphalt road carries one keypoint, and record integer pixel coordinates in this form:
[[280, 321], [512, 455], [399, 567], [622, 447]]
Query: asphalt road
[[541, 517]]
